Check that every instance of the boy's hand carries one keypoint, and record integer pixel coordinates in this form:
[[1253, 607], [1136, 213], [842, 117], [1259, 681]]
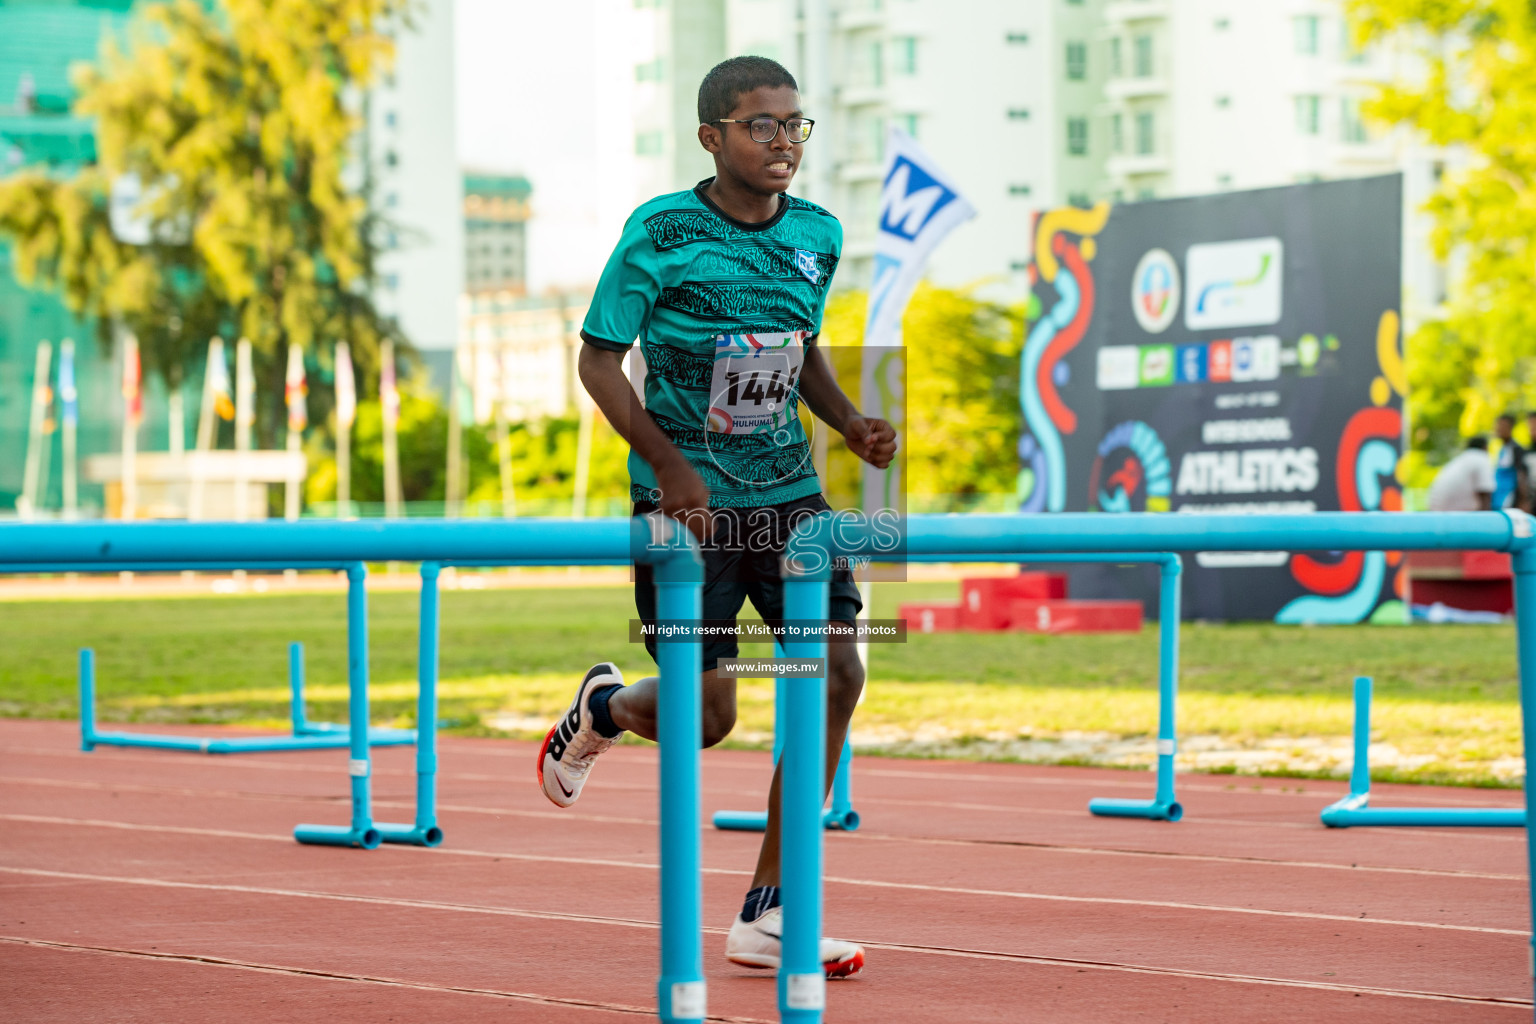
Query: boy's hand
[[870, 439], [684, 496]]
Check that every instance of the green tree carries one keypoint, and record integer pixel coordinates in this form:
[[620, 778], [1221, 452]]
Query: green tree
[[240, 121], [962, 380], [1475, 93]]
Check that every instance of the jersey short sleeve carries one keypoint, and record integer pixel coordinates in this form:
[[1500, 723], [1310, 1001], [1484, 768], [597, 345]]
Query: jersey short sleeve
[[626, 293]]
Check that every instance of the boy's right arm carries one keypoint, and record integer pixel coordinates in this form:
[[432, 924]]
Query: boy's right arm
[[682, 489]]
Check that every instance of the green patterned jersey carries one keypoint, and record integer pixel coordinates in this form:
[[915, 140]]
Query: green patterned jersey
[[723, 311]]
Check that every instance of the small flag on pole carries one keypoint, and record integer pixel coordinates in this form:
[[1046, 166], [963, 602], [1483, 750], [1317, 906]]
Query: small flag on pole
[[389, 394], [219, 385], [346, 387], [295, 390], [133, 392]]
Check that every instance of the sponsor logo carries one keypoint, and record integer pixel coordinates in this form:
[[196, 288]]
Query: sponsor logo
[[1191, 364], [1156, 366], [910, 198], [1119, 367], [1255, 358], [1218, 361], [805, 262], [1155, 291], [1233, 284]]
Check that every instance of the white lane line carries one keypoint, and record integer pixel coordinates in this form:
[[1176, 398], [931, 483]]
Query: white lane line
[[864, 836], [653, 926], [365, 979], [829, 880]]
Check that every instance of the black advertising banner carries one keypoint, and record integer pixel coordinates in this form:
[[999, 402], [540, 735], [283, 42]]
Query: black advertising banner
[[1234, 353]]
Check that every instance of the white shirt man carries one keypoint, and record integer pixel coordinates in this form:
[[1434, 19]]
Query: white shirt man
[[1465, 484]]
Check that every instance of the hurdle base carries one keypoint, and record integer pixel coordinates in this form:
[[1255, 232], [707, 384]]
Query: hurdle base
[[338, 835], [244, 744], [1353, 811], [757, 821], [1152, 810], [409, 835]]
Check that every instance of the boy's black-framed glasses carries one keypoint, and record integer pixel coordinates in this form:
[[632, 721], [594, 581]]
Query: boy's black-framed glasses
[[766, 129]]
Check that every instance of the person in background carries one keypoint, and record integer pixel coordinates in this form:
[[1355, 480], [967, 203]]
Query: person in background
[[1529, 503], [1509, 481], [1465, 484]]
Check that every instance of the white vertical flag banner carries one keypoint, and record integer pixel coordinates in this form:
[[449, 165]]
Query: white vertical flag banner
[[245, 424], [69, 397], [389, 400], [919, 206], [37, 434], [295, 394], [346, 412]]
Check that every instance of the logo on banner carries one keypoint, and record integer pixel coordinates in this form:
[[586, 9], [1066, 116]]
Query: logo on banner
[[1255, 358], [1155, 291], [805, 262], [1191, 364], [911, 198], [1233, 284], [1156, 366]]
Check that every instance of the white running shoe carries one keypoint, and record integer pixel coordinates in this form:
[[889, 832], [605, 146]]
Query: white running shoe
[[572, 745], [756, 944]]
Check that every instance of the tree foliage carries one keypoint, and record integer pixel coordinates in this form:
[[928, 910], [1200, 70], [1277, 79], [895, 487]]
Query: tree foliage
[[1472, 90], [962, 381], [241, 122]]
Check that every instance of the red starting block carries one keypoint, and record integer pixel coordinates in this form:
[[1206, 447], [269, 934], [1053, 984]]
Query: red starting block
[[984, 601], [1030, 616], [938, 617]]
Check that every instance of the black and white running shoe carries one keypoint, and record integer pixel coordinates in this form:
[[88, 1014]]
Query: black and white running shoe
[[573, 745]]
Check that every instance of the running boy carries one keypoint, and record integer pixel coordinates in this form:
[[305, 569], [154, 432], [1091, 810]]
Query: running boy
[[724, 285]]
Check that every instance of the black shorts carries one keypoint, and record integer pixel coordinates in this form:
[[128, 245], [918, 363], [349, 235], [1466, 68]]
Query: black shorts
[[741, 561]]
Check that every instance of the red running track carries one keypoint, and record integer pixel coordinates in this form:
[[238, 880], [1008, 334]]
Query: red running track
[[166, 887]]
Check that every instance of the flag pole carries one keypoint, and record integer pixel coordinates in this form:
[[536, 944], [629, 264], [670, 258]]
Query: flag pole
[[389, 395], [213, 372], [503, 439], [26, 505], [133, 407], [295, 392], [346, 412], [69, 396], [452, 498]]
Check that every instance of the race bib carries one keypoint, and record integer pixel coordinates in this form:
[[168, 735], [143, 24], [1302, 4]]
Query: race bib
[[755, 384]]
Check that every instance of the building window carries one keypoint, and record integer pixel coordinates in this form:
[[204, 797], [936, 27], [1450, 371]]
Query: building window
[[1305, 27], [1143, 56], [907, 123], [648, 144], [1079, 199], [1146, 134], [1222, 24], [1116, 57], [650, 71], [1309, 114], [392, 282], [1019, 190], [1146, 192], [1117, 133], [1223, 101], [1017, 38], [1077, 136], [1223, 181], [905, 59], [389, 118], [391, 200], [1018, 114], [391, 158], [1351, 124], [1077, 61], [1074, 3]]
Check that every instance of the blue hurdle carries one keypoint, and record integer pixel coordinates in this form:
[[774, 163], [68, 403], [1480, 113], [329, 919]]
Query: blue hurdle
[[1354, 809], [842, 817]]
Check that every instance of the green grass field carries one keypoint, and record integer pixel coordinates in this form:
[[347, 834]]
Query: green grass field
[[1261, 698]]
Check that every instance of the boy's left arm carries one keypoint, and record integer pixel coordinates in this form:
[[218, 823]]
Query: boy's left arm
[[871, 439]]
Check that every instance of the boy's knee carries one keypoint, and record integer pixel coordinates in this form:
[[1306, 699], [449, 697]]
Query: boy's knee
[[719, 719]]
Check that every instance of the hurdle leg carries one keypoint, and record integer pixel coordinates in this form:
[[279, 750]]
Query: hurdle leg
[[680, 991], [1164, 806], [1339, 813], [1525, 642], [361, 832], [87, 699], [424, 832], [802, 981], [296, 689]]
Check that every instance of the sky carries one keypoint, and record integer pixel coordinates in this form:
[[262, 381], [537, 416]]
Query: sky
[[543, 88]]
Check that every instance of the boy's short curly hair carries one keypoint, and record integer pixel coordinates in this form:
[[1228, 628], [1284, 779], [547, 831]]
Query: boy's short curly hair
[[729, 79]]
